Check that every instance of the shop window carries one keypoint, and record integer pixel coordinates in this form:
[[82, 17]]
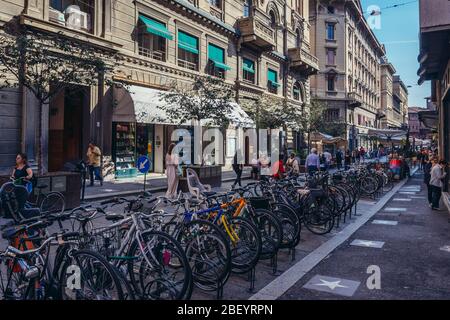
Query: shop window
[[152, 36], [216, 61], [248, 70], [272, 83], [187, 51]]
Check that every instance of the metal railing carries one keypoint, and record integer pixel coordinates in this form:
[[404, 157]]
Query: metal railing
[[153, 54], [187, 64]]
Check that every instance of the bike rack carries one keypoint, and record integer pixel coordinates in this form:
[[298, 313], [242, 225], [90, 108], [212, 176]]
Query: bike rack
[[252, 279], [219, 291], [274, 264]]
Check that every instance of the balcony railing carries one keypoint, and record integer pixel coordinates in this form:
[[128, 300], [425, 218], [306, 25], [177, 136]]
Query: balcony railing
[[303, 60], [187, 64], [153, 54], [256, 31]]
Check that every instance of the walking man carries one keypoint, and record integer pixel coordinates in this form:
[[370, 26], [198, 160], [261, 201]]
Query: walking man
[[426, 179], [237, 168], [339, 159], [94, 162], [312, 162]]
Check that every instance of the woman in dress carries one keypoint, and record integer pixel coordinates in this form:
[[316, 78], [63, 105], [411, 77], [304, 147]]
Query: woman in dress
[[172, 162]]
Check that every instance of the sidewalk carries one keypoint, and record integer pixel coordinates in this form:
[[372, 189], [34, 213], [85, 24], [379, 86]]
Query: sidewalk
[[155, 183]]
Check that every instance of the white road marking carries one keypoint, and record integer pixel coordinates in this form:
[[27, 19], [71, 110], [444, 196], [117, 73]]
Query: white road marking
[[385, 222]]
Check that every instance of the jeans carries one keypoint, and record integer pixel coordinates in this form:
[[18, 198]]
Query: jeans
[[95, 171], [430, 193], [436, 196]]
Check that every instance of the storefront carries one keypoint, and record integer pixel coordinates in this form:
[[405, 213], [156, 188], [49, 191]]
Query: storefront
[[140, 127]]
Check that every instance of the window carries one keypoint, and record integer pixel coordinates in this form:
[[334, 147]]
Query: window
[[187, 51], [330, 31], [216, 3], [298, 38], [296, 93], [272, 84], [248, 70], [152, 36], [331, 54], [216, 61], [247, 7], [80, 16], [273, 19], [331, 77], [332, 115], [359, 119], [330, 10]]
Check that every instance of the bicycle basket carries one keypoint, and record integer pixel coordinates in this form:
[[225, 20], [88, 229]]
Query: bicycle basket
[[104, 240], [260, 203]]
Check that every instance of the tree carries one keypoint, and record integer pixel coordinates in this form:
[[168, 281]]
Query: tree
[[207, 98], [46, 63]]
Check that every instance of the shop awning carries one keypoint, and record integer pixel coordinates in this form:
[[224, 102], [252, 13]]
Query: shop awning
[[429, 118], [387, 133], [325, 138], [143, 105], [156, 27]]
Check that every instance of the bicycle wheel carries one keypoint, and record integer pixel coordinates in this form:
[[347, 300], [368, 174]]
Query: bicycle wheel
[[245, 244], [158, 267], [271, 231], [52, 203], [86, 275], [318, 218], [208, 253]]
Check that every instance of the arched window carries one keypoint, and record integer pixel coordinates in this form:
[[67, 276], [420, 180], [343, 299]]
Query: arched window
[[273, 18], [298, 38], [297, 92]]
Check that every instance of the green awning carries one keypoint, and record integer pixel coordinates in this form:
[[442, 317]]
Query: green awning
[[217, 55], [187, 42], [248, 65], [272, 77], [156, 27]]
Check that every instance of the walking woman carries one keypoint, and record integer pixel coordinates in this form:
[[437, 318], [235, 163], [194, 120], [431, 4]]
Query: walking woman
[[437, 175], [22, 170], [237, 168], [172, 162]]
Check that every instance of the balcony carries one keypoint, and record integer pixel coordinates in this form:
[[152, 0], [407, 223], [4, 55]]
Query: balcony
[[355, 99], [303, 61], [256, 31]]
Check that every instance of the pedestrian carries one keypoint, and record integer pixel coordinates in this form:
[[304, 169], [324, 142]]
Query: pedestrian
[[437, 175], [426, 179], [264, 163], [172, 162], [354, 154], [312, 162], [425, 157], [22, 170], [278, 170], [94, 163], [292, 165], [339, 159], [362, 153], [254, 174], [237, 168], [347, 160], [327, 156]]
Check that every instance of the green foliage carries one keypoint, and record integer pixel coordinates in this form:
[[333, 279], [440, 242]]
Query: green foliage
[[207, 98]]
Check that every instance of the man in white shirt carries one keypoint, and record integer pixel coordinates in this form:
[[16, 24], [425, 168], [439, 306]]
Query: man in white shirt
[[437, 175]]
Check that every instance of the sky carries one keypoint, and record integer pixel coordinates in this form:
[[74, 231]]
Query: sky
[[399, 32]]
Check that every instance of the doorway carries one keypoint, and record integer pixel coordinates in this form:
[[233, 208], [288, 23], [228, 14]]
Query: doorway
[[67, 127]]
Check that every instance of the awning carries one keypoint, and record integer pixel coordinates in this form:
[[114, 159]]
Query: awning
[[187, 42], [429, 118], [143, 105], [156, 27], [386, 133], [248, 66], [326, 138], [217, 56]]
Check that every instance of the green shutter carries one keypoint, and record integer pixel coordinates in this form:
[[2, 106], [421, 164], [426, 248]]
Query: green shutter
[[248, 66], [272, 77], [217, 55], [156, 27], [187, 42]]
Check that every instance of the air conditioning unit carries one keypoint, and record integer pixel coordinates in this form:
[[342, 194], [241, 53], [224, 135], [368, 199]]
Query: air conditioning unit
[[77, 19], [56, 16]]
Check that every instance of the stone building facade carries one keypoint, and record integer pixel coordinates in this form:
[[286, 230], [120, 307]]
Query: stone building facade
[[257, 48], [350, 66]]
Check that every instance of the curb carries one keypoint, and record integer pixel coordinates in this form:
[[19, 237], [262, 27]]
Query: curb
[[137, 191]]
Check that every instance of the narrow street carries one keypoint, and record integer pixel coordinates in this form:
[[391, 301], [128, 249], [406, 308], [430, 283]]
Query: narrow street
[[407, 240]]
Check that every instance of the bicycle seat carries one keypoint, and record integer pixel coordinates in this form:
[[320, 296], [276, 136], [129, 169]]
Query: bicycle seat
[[42, 186], [114, 216]]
